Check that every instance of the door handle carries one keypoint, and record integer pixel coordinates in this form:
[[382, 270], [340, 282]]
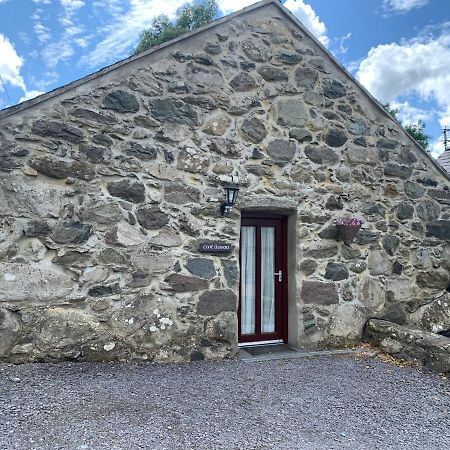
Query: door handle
[[280, 275]]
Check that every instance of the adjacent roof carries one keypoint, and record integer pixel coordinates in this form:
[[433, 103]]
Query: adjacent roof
[[63, 89], [444, 160]]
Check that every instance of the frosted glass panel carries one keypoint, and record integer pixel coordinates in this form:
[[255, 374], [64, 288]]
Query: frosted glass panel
[[267, 279], [248, 247]]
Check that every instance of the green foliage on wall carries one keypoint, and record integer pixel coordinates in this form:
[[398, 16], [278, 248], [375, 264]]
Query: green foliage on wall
[[416, 130]]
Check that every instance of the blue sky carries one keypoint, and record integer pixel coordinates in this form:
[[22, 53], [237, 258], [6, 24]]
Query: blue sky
[[398, 49]]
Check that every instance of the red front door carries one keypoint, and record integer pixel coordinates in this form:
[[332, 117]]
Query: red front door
[[262, 305]]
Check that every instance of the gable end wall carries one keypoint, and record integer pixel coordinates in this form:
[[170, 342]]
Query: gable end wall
[[107, 189]]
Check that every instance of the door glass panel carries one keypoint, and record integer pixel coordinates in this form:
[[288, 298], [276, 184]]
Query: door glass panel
[[248, 272], [267, 279]]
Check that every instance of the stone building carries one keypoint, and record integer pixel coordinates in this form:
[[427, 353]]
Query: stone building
[[111, 186]]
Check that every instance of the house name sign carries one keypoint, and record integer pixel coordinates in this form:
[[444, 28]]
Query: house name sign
[[215, 247]]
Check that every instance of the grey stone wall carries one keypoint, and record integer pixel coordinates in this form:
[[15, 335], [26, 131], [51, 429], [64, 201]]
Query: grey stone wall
[[108, 188], [427, 349]]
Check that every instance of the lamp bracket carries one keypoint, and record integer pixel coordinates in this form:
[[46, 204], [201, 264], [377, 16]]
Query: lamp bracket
[[225, 208]]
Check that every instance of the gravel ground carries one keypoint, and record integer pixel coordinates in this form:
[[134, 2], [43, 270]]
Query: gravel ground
[[312, 403]]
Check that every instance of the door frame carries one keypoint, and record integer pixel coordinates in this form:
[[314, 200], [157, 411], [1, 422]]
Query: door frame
[[283, 320]]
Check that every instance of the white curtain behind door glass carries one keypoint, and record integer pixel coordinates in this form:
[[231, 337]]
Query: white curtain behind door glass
[[248, 245], [267, 279]]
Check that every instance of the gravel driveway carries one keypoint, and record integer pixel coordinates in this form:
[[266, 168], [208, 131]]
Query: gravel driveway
[[311, 403]]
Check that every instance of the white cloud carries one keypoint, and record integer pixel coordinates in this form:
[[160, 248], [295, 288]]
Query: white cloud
[[70, 8], [24, 37], [81, 42], [353, 66], [63, 48], [46, 79], [72, 5], [10, 70], [338, 45], [229, 6], [123, 31], [409, 114], [444, 118], [309, 18], [393, 69], [56, 52], [10, 64], [299, 8], [42, 32], [114, 7], [29, 95], [416, 67], [437, 147], [403, 6], [73, 30]]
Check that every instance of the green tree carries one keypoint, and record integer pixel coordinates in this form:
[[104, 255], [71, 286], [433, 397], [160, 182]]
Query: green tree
[[392, 111], [416, 130], [189, 17]]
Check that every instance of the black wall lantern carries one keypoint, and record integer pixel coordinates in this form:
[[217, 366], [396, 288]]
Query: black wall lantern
[[231, 193]]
